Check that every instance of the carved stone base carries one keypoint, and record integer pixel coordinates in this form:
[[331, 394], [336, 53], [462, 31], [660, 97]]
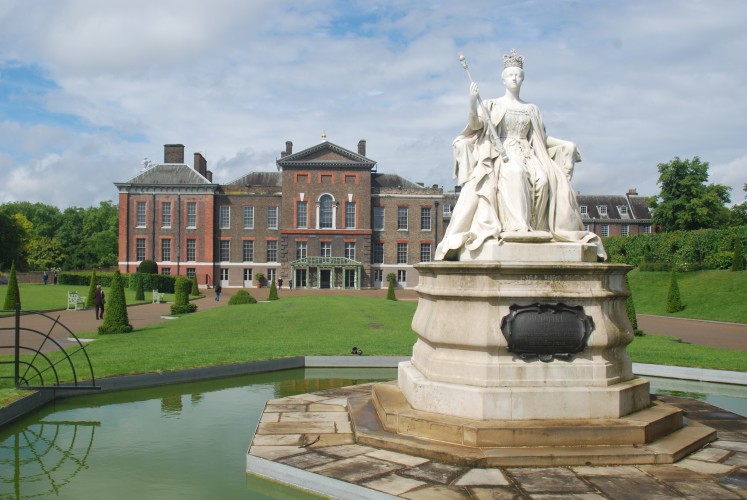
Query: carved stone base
[[522, 403]]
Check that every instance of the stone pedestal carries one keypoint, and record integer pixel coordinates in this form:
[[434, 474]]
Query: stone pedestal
[[520, 361], [462, 364]]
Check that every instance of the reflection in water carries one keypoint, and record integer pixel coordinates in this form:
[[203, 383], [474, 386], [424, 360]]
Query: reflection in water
[[44, 457]]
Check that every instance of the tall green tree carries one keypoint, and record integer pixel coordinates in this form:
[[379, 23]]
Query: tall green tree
[[10, 240], [686, 200]]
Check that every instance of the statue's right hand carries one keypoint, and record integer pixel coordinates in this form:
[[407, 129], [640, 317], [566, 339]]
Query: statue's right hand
[[474, 89]]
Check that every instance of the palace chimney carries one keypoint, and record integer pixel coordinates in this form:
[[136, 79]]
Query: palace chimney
[[362, 147], [288, 149], [200, 164], [173, 153]]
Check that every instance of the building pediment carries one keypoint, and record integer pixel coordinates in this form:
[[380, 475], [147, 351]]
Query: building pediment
[[326, 155]]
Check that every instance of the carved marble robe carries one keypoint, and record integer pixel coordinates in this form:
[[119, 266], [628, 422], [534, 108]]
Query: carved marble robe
[[530, 192]]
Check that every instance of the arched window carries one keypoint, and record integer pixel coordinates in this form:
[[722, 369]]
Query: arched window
[[326, 212]]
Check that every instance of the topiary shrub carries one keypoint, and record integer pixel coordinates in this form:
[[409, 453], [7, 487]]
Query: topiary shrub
[[630, 309], [148, 267], [91, 290], [241, 297], [392, 279], [273, 292], [13, 296], [139, 288], [738, 261], [674, 303], [181, 303], [115, 312], [195, 287]]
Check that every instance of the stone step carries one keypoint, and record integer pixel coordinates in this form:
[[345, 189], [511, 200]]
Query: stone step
[[669, 448]]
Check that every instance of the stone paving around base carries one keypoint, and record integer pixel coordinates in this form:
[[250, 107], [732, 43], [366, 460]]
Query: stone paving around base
[[310, 435]]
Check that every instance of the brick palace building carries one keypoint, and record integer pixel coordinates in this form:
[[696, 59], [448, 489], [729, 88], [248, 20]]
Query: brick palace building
[[325, 219]]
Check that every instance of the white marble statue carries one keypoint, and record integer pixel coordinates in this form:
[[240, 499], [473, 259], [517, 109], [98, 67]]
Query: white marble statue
[[515, 179]]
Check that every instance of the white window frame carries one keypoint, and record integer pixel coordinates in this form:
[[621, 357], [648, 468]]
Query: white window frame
[[426, 251], [247, 250], [351, 213], [378, 218], [140, 214], [166, 250], [224, 217], [403, 215], [426, 219], [350, 250], [191, 214], [302, 250], [402, 253], [325, 248], [166, 214], [193, 250], [248, 217], [376, 251], [224, 250], [272, 250], [272, 217], [302, 214]]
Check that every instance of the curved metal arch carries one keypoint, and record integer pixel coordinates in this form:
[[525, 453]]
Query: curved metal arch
[[46, 343]]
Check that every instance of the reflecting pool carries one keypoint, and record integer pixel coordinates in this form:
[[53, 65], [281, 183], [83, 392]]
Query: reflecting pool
[[187, 441]]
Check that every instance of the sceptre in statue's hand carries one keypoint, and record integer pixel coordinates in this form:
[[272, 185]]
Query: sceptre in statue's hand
[[475, 91]]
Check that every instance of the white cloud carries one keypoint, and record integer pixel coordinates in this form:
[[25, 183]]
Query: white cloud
[[634, 83]]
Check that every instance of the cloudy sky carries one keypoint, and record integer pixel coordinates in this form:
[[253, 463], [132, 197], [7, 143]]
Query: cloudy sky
[[88, 89]]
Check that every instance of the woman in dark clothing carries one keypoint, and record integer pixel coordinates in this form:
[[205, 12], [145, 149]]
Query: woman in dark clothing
[[98, 302]]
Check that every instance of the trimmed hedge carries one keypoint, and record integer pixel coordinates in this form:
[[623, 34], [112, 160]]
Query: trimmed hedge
[[161, 282], [241, 297], [683, 250]]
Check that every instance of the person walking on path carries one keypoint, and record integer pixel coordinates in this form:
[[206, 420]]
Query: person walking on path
[[98, 302], [54, 275], [45, 277], [218, 289]]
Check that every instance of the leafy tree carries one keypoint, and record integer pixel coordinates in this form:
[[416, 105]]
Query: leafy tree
[[91, 290], [241, 297], [26, 235], [10, 240], [674, 303], [273, 292], [46, 219], [738, 213], [115, 314], [45, 253], [392, 279], [737, 263], [686, 202], [13, 296]]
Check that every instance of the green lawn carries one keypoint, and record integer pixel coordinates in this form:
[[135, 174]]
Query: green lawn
[[714, 295], [38, 297], [310, 325]]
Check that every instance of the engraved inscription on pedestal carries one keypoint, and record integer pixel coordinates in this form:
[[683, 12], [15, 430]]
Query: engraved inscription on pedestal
[[547, 331]]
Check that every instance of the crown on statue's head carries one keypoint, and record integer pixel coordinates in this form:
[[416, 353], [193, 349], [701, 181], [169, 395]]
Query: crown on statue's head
[[513, 60]]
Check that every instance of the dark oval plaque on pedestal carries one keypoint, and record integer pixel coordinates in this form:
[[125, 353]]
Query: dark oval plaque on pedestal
[[547, 331]]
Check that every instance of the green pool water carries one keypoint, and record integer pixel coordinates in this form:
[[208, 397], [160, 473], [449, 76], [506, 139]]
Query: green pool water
[[187, 441]]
